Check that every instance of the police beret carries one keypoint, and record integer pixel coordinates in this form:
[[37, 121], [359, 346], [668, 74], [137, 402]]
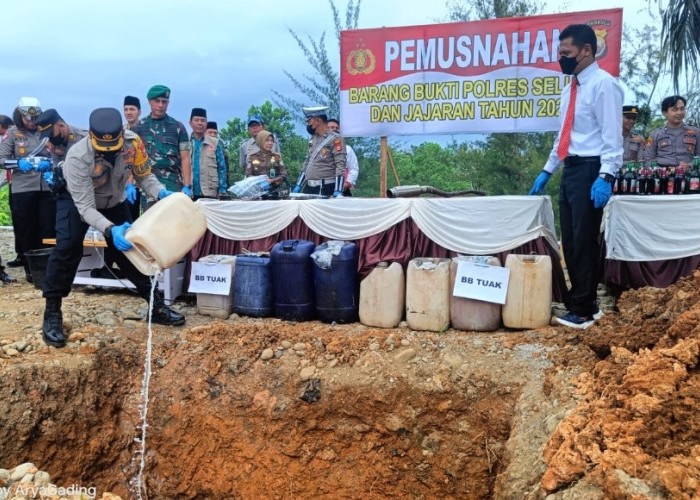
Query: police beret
[[130, 100], [158, 91], [256, 119], [315, 111], [629, 110], [106, 129], [46, 121], [198, 112], [212, 125]]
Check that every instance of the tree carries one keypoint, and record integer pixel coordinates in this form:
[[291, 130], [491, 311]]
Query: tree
[[278, 121], [680, 38], [461, 10], [322, 89]]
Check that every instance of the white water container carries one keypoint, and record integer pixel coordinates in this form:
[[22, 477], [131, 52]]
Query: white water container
[[218, 306], [471, 314], [428, 294], [382, 295], [165, 233], [529, 298]]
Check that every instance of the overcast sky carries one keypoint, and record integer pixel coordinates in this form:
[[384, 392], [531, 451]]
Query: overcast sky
[[77, 55]]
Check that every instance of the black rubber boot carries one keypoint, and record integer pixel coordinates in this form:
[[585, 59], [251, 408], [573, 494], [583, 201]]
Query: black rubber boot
[[52, 330], [162, 314]]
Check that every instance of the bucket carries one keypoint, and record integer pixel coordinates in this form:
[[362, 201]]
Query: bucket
[[252, 293], [529, 297], [335, 281], [165, 233], [218, 306], [428, 294], [382, 296], [471, 314], [37, 260], [293, 280]]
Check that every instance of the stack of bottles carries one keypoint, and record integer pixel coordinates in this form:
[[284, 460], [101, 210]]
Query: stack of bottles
[[636, 178]]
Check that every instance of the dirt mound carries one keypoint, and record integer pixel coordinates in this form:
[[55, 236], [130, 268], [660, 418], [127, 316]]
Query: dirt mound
[[636, 429]]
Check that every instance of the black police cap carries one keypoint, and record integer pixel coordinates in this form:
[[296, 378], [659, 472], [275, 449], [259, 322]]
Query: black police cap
[[106, 129], [629, 110], [46, 121]]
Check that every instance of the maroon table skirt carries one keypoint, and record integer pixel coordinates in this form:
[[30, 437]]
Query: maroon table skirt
[[621, 275], [400, 243]]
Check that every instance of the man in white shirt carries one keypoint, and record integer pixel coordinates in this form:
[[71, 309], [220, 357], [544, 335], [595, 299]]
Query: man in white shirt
[[352, 167], [589, 146]]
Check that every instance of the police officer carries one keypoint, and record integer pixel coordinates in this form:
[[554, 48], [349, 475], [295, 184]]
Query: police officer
[[167, 144], [675, 143], [31, 201], [323, 171], [249, 146], [96, 170], [61, 135], [633, 143]]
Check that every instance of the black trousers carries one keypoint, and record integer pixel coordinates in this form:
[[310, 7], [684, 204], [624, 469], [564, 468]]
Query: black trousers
[[65, 258], [580, 229], [33, 219]]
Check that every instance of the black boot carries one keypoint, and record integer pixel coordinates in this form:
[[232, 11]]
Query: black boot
[[52, 330], [162, 314], [6, 278], [17, 262]]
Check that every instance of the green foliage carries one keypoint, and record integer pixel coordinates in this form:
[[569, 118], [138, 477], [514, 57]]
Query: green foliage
[[5, 217], [322, 88], [461, 10], [680, 37], [277, 120]]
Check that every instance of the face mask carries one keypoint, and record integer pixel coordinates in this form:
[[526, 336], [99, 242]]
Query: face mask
[[568, 64], [56, 140], [310, 130]]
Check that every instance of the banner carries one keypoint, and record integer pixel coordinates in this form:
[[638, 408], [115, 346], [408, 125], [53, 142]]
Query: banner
[[498, 75]]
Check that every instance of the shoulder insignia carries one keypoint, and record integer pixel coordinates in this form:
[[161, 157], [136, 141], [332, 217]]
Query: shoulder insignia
[[649, 142], [338, 144]]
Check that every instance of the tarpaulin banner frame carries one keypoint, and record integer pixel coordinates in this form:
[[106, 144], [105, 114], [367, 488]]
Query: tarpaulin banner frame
[[497, 75]]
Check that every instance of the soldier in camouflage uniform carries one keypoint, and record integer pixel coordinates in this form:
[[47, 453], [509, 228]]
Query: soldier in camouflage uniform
[[167, 144], [323, 171], [633, 143], [675, 143]]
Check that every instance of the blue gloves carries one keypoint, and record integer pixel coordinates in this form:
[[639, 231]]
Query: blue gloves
[[297, 189], [163, 193], [337, 194], [120, 242], [44, 166], [130, 193], [540, 183], [48, 178], [264, 185], [601, 190], [24, 165], [187, 190]]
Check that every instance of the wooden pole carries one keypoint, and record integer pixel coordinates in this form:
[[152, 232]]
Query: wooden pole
[[383, 148]]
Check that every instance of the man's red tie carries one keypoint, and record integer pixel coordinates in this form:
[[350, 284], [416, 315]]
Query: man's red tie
[[565, 137]]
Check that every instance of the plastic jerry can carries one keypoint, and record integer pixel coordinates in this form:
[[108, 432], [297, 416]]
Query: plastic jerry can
[[219, 306], [252, 293], [529, 297], [293, 280], [335, 281], [165, 233], [382, 296], [428, 294], [471, 314]]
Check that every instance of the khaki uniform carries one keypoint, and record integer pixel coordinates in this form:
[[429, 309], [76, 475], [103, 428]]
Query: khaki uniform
[[94, 183], [249, 147], [633, 148], [210, 172], [18, 144], [671, 146], [259, 164], [327, 162], [58, 153]]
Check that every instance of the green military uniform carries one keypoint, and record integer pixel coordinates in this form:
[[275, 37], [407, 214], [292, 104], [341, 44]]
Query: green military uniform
[[164, 139], [633, 147], [671, 146]]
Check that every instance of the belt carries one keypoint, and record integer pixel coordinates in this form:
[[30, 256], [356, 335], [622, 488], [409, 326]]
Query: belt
[[575, 160], [320, 182]]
